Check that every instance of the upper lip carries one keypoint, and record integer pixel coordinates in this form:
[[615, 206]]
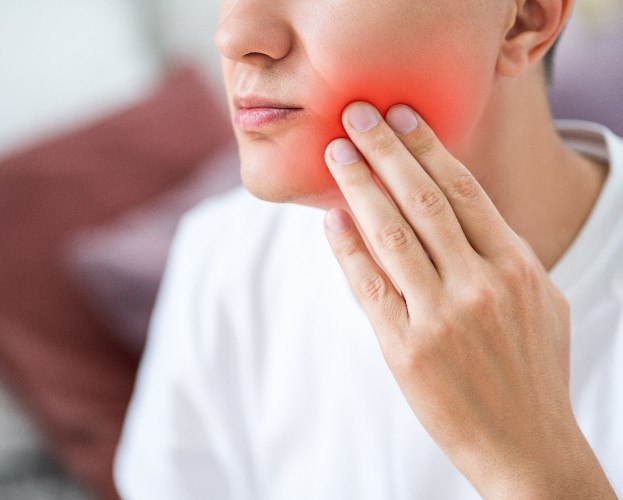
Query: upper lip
[[256, 101]]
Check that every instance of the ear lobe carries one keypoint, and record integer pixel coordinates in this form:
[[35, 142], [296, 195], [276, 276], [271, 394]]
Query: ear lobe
[[536, 26]]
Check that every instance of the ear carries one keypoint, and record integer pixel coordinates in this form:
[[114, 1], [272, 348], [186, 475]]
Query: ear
[[534, 27]]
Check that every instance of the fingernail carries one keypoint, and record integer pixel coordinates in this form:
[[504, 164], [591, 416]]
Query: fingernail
[[402, 119], [343, 151], [363, 117], [337, 221]]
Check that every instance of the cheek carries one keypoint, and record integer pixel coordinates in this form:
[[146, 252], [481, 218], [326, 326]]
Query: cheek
[[449, 92]]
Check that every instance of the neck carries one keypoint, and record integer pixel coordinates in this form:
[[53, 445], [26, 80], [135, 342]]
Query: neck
[[544, 191]]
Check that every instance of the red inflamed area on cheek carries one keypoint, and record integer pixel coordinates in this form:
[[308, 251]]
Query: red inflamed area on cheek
[[446, 103]]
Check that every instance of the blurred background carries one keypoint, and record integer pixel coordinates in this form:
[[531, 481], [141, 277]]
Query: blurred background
[[113, 123]]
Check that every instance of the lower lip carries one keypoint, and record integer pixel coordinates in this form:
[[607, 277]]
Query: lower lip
[[256, 118]]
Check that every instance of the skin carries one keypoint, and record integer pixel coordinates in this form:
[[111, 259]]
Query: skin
[[375, 40], [442, 231], [468, 320]]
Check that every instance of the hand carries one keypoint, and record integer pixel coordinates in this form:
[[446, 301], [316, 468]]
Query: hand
[[472, 328]]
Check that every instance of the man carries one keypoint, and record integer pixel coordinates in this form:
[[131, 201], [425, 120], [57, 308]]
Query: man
[[477, 247]]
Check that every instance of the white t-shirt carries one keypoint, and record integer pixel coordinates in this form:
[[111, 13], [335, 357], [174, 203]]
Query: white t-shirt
[[263, 379]]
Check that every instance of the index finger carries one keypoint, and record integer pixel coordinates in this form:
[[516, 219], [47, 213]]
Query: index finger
[[482, 223]]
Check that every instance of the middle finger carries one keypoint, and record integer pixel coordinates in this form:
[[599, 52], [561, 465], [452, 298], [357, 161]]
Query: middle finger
[[421, 201]]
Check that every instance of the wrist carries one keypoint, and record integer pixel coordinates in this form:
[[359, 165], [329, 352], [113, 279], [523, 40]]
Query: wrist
[[568, 469]]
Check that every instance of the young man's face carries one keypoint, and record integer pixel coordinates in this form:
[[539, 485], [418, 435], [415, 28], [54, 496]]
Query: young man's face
[[318, 55]]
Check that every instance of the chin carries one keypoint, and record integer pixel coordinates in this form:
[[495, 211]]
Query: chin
[[265, 187], [281, 174]]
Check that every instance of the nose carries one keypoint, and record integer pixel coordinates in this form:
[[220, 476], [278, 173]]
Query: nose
[[254, 30]]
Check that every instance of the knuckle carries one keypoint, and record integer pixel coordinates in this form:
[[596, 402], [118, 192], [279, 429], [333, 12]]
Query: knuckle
[[373, 287], [480, 298], [427, 202], [348, 249], [395, 236], [464, 186], [390, 314], [424, 146], [355, 177], [385, 146], [443, 330], [409, 356], [415, 353], [518, 270]]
